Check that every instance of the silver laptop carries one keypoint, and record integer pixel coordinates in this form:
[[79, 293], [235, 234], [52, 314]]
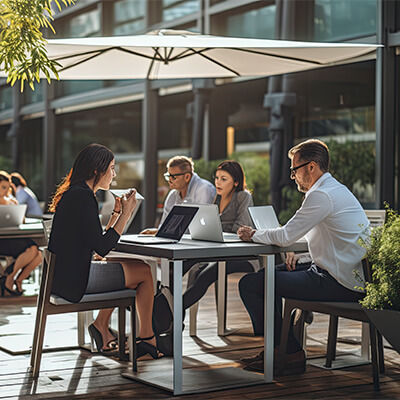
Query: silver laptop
[[264, 217], [206, 225], [12, 215], [172, 229]]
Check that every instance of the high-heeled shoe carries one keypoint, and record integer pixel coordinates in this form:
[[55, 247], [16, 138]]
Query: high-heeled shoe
[[4, 289], [143, 347], [18, 290], [95, 334]]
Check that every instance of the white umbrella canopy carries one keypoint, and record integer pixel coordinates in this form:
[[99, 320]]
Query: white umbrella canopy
[[169, 54]]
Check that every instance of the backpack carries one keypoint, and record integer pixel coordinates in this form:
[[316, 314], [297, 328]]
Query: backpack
[[162, 320]]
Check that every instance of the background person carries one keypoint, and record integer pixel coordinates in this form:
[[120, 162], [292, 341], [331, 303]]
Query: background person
[[186, 187], [25, 195], [25, 251], [332, 220], [76, 233]]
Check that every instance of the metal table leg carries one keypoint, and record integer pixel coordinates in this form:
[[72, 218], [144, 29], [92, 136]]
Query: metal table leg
[[177, 378], [269, 310]]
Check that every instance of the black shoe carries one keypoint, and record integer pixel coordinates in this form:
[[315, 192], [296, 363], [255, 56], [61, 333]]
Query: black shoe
[[308, 317], [143, 347], [4, 289], [249, 360], [95, 334]]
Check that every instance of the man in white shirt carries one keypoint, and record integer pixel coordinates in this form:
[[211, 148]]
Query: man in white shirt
[[332, 220], [186, 186]]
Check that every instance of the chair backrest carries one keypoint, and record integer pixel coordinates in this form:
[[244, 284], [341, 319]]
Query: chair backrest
[[47, 224], [376, 217], [49, 261], [367, 270]]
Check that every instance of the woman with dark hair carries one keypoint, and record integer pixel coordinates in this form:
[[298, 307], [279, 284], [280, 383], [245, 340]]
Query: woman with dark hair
[[25, 195], [233, 201], [77, 233], [25, 251]]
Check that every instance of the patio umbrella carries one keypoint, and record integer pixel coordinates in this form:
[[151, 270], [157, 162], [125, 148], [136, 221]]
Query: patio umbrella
[[181, 54]]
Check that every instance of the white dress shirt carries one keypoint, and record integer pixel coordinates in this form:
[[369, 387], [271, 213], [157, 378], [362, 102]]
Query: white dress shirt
[[332, 220], [200, 191]]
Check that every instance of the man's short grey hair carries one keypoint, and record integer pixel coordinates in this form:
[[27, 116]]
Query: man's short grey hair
[[184, 163], [312, 150]]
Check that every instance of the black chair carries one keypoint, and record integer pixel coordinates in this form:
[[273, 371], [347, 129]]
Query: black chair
[[350, 310], [49, 304]]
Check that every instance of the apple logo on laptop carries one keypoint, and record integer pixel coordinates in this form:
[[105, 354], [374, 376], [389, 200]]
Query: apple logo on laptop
[[8, 216], [202, 221]]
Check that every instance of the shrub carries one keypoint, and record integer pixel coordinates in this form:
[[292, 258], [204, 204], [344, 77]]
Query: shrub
[[383, 252]]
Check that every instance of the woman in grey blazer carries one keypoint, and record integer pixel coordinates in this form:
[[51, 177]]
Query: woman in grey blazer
[[233, 201]]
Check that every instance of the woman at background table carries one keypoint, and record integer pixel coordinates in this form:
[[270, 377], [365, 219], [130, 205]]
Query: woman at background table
[[77, 233], [233, 201], [25, 251], [25, 195]]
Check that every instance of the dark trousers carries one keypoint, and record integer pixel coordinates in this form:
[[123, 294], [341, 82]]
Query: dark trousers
[[304, 283], [201, 276]]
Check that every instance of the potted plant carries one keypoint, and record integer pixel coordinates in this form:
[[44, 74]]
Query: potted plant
[[382, 300]]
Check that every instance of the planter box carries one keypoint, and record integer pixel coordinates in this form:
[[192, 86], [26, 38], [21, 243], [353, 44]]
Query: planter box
[[388, 324]]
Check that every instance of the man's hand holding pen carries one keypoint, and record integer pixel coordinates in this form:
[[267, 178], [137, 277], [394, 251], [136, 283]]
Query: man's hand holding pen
[[246, 233]]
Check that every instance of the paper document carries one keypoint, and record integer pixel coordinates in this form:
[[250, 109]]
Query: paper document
[[121, 192]]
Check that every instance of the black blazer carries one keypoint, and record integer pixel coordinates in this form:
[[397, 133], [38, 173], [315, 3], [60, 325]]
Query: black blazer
[[75, 234]]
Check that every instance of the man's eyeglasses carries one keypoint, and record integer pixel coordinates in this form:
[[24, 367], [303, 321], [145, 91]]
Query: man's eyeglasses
[[172, 177], [294, 169]]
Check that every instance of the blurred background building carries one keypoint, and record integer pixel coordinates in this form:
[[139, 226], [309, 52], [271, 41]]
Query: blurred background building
[[353, 107]]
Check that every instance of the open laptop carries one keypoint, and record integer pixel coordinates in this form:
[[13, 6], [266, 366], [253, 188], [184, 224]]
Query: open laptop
[[264, 217], [206, 225], [172, 229], [12, 215]]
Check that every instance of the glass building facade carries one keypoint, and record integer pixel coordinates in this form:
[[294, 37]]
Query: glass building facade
[[337, 104]]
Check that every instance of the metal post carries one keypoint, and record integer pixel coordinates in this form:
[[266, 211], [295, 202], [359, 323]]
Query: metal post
[[49, 142], [150, 146]]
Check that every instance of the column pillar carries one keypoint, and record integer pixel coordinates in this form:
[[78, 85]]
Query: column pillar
[[385, 114]]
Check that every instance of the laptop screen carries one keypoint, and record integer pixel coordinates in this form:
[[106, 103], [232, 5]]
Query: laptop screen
[[12, 215], [177, 222], [264, 217]]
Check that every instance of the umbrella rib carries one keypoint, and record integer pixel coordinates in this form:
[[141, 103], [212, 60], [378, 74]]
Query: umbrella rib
[[97, 53], [157, 52], [183, 55], [200, 53], [150, 68], [139, 54], [278, 56]]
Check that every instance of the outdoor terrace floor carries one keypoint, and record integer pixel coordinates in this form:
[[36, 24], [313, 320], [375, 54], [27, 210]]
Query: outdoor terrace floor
[[78, 374]]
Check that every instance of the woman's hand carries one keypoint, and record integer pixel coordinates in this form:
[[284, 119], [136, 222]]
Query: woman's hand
[[128, 202], [117, 205]]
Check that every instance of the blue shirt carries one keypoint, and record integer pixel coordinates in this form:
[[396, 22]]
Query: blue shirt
[[199, 191], [25, 195]]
